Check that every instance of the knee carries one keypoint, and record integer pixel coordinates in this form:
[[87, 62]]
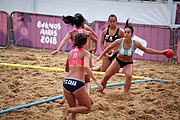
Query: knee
[[103, 69], [107, 76], [128, 76], [105, 79]]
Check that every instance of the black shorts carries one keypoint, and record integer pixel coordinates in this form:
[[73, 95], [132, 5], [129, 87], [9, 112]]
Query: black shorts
[[122, 63]]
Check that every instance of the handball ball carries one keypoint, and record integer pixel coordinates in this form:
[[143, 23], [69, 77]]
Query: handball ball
[[169, 53]]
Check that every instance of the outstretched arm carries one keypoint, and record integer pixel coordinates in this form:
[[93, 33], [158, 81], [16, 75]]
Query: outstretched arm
[[114, 44], [86, 27], [94, 39], [62, 43], [92, 35], [87, 60], [67, 65], [149, 50]]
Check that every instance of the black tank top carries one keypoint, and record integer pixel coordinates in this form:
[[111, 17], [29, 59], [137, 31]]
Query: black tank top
[[109, 38]]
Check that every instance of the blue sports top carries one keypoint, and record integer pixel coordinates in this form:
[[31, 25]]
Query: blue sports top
[[124, 52]]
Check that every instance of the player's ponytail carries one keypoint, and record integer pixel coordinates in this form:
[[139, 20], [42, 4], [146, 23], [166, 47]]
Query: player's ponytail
[[76, 20], [128, 25], [69, 20]]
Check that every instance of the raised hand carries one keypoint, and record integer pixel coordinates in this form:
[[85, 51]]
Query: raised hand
[[54, 52], [97, 59]]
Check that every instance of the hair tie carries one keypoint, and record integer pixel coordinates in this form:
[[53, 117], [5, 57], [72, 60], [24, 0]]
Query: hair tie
[[76, 18]]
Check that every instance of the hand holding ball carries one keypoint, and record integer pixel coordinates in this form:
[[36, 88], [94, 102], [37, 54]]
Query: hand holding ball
[[169, 53]]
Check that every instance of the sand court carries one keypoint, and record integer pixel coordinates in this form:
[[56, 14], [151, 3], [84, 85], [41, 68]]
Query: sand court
[[23, 85]]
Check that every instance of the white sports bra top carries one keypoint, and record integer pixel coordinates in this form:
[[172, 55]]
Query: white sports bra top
[[124, 52]]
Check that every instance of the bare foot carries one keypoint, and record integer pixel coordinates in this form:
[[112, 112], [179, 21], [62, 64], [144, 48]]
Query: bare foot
[[101, 91], [60, 102], [122, 96], [96, 68], [128, 96], [125, 96]]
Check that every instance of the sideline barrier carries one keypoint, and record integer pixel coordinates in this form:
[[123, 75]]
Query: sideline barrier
[[157, 37], [60, 96], [61, 70], [46, 32], [39, 31], [3, 29], [178, 45]]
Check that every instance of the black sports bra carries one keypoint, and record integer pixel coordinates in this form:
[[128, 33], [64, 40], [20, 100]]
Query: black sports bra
[[109, 38]]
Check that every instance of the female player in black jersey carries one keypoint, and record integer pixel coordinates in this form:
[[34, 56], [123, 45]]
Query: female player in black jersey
[[109, 35]]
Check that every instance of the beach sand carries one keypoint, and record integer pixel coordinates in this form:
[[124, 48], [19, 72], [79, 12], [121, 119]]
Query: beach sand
[[146, 101]]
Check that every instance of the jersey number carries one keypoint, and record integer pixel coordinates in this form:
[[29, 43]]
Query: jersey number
[[75, 55]]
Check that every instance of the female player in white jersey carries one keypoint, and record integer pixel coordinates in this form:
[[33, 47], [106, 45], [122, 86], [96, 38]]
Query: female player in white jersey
[[125, 47]]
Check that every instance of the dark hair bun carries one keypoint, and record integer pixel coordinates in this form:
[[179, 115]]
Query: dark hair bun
[[80, 40], [78, 19]]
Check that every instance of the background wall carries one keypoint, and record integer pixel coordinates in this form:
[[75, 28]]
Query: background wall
[[152, 13], [144, 13]]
